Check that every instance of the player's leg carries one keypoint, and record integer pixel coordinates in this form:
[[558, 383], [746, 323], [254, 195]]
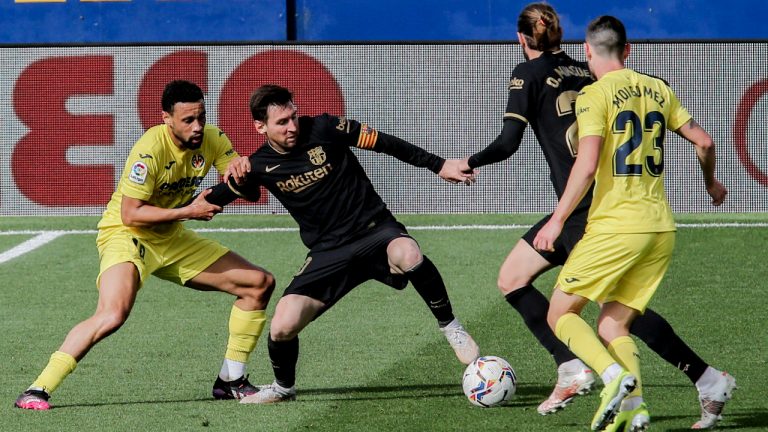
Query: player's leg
[[118, 286], [564, 318], [714, 386], [521, 267], [252, 287], [613, 328], [292, 314], [404, 257]]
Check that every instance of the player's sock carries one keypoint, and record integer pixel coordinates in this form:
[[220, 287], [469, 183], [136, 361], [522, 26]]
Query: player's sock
[[658, 334], [59, 366], [245, 327], [531, 304], [611, 373], [624, 350], [710, 378], [429, 284], [284, 355], [582, 340]]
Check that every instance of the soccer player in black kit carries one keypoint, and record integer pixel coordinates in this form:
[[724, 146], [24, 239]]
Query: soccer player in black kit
[[307, 164], [542, 92]]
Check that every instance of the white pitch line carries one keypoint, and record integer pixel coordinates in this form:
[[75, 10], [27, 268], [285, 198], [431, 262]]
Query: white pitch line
[[412, 227], [44, 236], [30, 245]]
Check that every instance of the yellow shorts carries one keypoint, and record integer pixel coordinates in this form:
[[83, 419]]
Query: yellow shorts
[[177, 258], [626, 268]]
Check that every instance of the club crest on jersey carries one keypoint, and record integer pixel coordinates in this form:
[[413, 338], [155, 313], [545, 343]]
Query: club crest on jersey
[[515, 83], [197, 161], [316, 155], [138, 173]]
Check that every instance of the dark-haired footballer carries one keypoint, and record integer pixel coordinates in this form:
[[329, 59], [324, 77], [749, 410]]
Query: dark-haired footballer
[[308, 165], [141, 234]]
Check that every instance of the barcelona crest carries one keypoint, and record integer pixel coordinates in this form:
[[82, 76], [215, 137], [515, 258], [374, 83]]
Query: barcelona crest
[[316, 155]]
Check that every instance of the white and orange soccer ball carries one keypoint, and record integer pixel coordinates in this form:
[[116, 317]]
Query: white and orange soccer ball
[[489, 381]]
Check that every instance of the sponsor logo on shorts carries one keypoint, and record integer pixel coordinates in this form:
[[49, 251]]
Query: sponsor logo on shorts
[[571, 280], [138, 173]]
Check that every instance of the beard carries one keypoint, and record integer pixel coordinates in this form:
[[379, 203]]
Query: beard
[[191, 144]]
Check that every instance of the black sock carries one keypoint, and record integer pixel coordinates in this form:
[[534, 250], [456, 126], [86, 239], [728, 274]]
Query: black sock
[[656, 332], [284, 355], [531, 304], [429, 284]]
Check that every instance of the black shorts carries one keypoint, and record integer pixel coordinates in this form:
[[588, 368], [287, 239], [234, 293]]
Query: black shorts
[[328, 275], [573, 230]]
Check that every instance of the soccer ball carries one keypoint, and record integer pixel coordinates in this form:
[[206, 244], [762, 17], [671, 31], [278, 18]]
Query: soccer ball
[[489, 381]]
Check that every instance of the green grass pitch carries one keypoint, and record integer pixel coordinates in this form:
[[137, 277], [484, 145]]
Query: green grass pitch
[[376, 361]]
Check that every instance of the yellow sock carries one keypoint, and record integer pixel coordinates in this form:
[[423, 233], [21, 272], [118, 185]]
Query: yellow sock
[[625, 351], [245, 327], [59, 366], [582, 341]]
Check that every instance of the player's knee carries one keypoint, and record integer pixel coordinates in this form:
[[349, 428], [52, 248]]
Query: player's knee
[[508, 283], [110, 321], [281, 331], [407, 258], [261, 285]]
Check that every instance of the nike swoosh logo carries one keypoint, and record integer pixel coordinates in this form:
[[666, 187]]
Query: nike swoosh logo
[[271, 168]]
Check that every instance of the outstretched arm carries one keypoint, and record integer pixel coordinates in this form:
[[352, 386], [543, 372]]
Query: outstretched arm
[[705, 152], [504, 146], [137, 213]]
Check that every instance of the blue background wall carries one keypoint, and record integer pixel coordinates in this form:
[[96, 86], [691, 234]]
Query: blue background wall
[[353, 20]]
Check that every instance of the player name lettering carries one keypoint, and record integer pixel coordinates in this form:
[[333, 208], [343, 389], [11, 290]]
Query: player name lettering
[[624, 94], [297, 183], [565, 72]]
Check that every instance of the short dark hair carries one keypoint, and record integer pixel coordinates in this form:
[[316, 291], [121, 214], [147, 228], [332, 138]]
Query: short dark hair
[[180, 91], [266, 95], [607, 36]]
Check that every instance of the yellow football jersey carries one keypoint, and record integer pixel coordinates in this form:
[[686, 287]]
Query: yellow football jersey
[[163, 175], [631, 112]]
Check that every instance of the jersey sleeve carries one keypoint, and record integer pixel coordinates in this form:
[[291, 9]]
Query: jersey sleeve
[[521, 90], [224, 152], [678, 115], [139, 174], [591, 112], [361, 135]]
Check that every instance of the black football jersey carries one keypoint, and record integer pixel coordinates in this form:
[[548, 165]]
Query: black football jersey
[[321, 182], [543, 92]]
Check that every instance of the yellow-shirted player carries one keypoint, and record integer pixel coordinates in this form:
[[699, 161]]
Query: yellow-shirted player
[[141, 233], [625, 251]]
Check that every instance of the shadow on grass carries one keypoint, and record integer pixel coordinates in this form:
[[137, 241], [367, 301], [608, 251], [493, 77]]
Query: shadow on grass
[[735, 420], [526, 395]]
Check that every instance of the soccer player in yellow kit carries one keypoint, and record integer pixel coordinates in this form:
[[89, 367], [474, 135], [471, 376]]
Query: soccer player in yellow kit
[[630, 233], [141, 234]]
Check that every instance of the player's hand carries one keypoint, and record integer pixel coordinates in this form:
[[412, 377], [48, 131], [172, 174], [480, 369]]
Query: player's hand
[[238, 169], [545, 238], [457, 171], [200, 209], [718, 192]]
